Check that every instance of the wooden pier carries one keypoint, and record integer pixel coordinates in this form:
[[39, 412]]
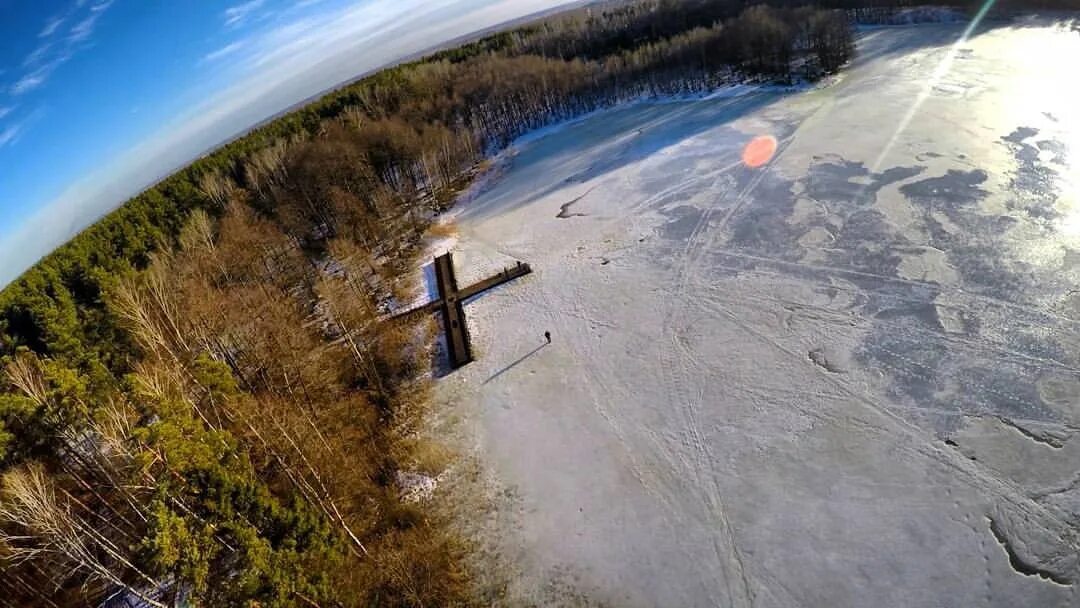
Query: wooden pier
[[451, 304]]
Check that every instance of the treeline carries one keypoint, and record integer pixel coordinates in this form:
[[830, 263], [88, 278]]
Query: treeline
[[999, 7], [612, 27], [201, 401]]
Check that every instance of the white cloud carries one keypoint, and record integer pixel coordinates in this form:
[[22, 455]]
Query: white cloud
[[28, 83], [37, 55], [8, 134], [37, 77], [224, 51], [236, 15], [83, 29], [51, 26], [51, 54]]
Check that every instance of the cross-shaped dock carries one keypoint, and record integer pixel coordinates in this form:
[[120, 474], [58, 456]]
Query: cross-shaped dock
[[451, 304]]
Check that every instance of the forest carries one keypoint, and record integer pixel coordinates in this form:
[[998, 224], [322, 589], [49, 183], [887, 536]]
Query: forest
[[202, 401]]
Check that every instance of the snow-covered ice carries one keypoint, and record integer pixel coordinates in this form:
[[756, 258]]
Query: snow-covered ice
[[850, 378]]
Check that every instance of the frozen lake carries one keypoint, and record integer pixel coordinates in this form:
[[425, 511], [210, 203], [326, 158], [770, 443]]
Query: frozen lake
[[848, 378]]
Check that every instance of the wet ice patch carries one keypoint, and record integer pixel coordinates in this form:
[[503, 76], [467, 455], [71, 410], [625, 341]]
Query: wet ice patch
[[953, 190]]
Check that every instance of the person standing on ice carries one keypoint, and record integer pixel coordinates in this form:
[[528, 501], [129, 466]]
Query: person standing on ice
[[547, 336]]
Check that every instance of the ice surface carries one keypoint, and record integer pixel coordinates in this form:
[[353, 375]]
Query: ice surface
[[851, 378]]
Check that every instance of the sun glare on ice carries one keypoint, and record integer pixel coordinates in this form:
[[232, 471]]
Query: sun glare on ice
[[759, 151]]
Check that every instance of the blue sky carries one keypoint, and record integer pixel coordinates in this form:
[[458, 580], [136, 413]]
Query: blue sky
[[100, 98]]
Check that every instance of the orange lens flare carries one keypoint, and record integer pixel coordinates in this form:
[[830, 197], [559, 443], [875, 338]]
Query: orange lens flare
[[759, 151]]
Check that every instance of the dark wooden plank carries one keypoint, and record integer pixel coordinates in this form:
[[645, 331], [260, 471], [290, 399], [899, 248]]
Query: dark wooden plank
[[457, 334], [507, 275], [429, 307]]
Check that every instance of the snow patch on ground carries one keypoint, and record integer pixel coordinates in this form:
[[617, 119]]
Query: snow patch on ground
[[415, 487]]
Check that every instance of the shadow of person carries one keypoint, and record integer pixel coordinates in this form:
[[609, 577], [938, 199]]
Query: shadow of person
[[515, 363]]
